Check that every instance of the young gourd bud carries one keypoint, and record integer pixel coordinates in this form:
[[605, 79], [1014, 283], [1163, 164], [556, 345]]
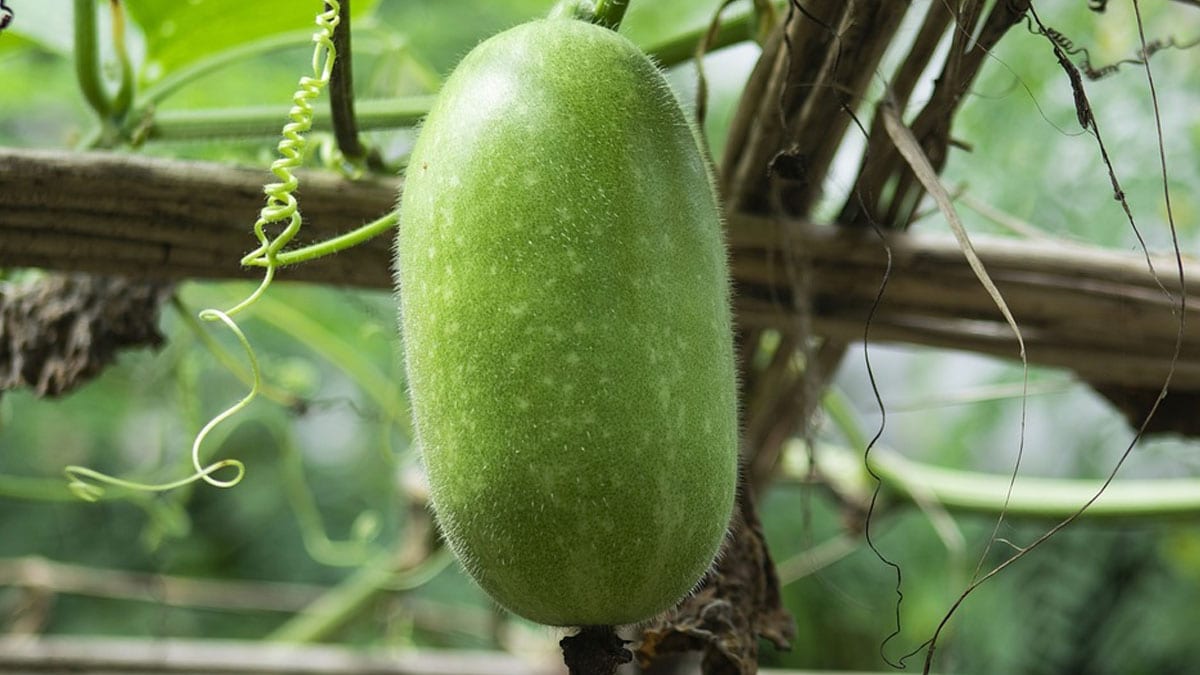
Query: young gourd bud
[[564, 299]]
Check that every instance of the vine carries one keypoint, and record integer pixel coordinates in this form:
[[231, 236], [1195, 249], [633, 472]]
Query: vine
[[88, 484], [79, 476], [1062, 46], [1085, 65]]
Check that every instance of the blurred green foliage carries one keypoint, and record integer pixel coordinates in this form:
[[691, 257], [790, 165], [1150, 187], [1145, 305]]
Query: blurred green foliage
[[1098, 599], [176, 34]]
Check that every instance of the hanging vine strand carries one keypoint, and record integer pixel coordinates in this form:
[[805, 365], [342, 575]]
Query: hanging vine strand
[[281, 207]]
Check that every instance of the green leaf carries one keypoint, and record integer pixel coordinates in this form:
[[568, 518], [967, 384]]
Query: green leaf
[[441, 32], [179, 33], [11, 43]]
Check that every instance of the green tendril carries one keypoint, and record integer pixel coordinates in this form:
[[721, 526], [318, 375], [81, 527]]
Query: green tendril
[[79, 477], [281, 203], [88, 484], [333, 244], [274, 393], [256, 372]]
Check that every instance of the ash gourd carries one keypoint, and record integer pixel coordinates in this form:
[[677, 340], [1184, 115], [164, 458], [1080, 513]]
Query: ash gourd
[[564, 301]]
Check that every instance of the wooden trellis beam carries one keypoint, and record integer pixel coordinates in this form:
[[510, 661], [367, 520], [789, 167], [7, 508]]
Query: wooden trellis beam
[[1095, 311]]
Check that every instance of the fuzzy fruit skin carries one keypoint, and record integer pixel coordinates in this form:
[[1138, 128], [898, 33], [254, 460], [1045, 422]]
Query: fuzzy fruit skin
[[564, 301]]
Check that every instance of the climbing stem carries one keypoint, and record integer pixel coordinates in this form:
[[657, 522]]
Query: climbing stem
[[385, 572], [737, 26], [124, 97], [87, 60], [962, 491], [263, 120], [341, 97], [333, 245]]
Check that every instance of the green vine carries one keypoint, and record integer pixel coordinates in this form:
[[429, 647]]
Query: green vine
[[374, 577], [87, 59], [124, 98], [962, 491], [332, 245], [87, 484], [281, 202], [281, 206], [609, 13], [177, 79], [111, 110], [256, 120]]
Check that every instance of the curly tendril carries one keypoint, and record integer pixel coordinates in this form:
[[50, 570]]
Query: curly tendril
[[89, 484], [281, 203]]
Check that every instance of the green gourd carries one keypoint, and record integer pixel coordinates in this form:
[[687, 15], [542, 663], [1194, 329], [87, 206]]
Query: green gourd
[[564, 302]]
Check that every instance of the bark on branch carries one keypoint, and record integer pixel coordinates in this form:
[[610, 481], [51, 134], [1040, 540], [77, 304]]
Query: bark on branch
[[191, 657], [169, 219], [102, 656], [1095, 311]]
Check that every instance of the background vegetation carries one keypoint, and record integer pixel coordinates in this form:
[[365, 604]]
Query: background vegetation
[[1114, 597]]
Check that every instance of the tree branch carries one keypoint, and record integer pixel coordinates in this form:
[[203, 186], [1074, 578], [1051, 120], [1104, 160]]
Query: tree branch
[[154, 218], [83, 655], [163, 589], [1095, 311], [188, 657], [1091, 310]]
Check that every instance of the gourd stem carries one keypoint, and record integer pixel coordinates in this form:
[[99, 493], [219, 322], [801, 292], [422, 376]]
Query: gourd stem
[[594, 650], [610, 12]]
